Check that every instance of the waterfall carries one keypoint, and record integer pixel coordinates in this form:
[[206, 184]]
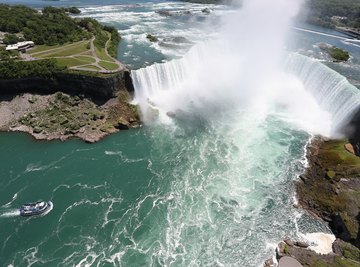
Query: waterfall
[[332, 91]]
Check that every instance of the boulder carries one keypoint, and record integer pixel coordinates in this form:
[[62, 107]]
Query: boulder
[[289, 262], [301, 244]]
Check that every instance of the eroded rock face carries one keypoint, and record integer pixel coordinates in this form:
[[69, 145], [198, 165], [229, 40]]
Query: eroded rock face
[[293, 255], [330, 187], [100, 88], [61, 116], [352, 130]]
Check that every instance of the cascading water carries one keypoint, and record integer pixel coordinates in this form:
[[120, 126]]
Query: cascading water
[[331, 90], [242, 118]]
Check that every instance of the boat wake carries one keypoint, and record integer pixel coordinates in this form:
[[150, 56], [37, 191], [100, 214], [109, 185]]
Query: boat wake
[[10, 213]]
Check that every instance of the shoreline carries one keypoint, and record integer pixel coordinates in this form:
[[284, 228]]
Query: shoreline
[[327, 190], [60, 116]]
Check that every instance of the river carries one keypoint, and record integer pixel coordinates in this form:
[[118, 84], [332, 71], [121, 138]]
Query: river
[[209, 185]]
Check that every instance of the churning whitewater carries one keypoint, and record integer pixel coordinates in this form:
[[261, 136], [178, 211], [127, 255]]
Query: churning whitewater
[[239, 111], [208, 181]]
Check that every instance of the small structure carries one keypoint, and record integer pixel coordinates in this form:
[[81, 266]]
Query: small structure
[[20, 46]]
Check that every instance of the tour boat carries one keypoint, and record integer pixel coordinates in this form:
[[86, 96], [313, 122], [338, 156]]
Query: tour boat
[[36, 208]]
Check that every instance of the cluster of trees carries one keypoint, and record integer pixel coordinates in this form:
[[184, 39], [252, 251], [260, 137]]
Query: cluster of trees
[[72, 10], [12, 38], [320, 12], [7, 55], [52, 26], [101, 33], [115, 40], [21, 69]]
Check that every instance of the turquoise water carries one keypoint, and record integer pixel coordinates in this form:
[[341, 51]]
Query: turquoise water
[[186, 195], [210, 187]]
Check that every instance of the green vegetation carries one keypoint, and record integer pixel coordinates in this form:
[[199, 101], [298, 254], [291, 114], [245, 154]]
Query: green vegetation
[[72, 10], [321, 12], [60, 37], [100, 52], [103, 34], [73, 115], [43, 48], [91, 67], [64, 114], [339, 54], [336, 53], [20, 69], [86, 59], [12, 39], [64, 51], [70, 62], [115, 39], [7, 55], [52, 26], [334, 197], [108, 65]]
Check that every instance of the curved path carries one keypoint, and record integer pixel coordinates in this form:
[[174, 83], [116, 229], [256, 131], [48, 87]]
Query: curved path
[[91, 53]]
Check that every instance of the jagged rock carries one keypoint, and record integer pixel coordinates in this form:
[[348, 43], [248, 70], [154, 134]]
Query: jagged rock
[[269, 263], [289, 242], [303, 177], [281, 250], [164, 13], [122, 124], [301, 244], [206, 11], [37, 130]]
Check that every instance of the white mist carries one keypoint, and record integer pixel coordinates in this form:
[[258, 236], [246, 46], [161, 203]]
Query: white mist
[[247, 68]]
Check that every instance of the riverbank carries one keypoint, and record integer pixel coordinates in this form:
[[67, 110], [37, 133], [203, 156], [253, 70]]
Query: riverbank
[[63, 116], [329, 190]]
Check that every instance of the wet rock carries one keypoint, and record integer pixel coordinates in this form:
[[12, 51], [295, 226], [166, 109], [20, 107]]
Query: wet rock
[[152, 38], [164, 13], [303, 177], [205, 11], [269, 263], [122, 125], [301, 244], [289, 242], [281, 250]]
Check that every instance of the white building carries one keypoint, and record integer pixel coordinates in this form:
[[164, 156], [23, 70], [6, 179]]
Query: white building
[[21, 46]]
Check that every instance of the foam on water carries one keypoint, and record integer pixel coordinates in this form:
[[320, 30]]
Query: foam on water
[[136, 21], [243, 129], [10, 213], [209, 185], [320, 242]]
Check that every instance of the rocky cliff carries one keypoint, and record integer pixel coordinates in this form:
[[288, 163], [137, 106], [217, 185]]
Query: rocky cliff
[[354, 132], [99, 87]]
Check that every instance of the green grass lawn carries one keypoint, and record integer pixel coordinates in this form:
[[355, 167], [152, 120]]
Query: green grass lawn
[[41, 48], [102, 54], [87, 59], [108, 65], [67, 51], [75, 54], [92, 67], [70, 62]]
